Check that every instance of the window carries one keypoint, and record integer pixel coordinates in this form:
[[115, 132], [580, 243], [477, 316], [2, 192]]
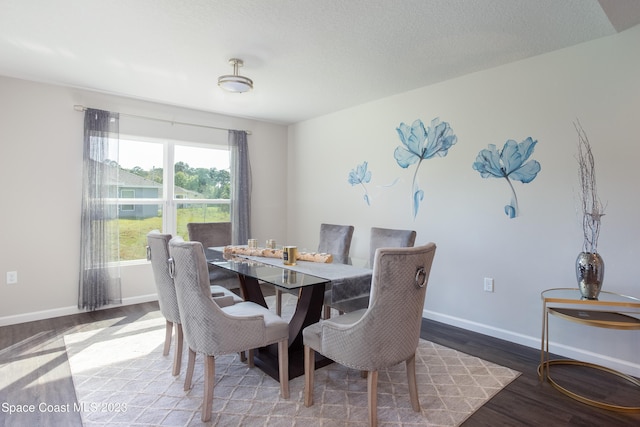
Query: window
[[164, 185], [127, 194]]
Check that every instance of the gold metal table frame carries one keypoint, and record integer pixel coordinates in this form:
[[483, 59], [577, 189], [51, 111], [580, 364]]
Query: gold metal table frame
[[610, 310]]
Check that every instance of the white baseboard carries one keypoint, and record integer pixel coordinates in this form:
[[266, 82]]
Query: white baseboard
[[65, 311], [624, 366]]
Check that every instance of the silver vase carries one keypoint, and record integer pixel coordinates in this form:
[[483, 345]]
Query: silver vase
[[590, 274]]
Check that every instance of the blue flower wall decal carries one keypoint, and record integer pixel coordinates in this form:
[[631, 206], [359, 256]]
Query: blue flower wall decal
[[360, 175], [509, 163], [419, 144]]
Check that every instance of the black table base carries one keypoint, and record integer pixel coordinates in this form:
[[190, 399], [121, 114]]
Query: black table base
[[308, 310]]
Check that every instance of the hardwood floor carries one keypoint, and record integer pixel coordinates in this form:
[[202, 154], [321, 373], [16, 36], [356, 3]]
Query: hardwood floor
[[34, 369]]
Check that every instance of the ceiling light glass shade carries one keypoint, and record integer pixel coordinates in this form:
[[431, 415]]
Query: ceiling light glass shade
[[235, 82]]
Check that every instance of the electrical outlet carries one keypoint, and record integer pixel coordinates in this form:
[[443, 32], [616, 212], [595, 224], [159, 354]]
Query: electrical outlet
[[12, 277], [488, 284]]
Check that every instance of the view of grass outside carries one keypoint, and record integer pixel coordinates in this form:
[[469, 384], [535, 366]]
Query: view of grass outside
[[133, 232]]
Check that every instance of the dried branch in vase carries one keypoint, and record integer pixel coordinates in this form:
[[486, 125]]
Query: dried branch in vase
[[592, 208]]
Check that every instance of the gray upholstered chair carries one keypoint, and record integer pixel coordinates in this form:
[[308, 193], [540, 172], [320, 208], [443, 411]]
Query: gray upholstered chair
[[335, 240], [382, 335], [346, 300], [389, 238], [158, 254], [214, 330], [213, 234]]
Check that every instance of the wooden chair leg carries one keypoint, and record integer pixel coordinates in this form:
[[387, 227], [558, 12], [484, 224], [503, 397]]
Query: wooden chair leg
[[209, 383], [278, 302], [250, 359], [372, 390], [167, 338], [190, 365], [413, 385], [309, 373], [327, 312], [177, 356], [283, 367]]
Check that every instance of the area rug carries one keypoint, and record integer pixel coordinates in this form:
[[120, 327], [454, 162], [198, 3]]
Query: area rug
[[121, 378]]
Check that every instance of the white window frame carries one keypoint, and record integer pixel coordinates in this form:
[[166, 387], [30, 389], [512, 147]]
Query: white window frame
[[168, 201]]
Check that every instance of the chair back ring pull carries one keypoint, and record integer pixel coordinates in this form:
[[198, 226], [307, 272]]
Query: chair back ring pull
[[172, 268], [421, 278]]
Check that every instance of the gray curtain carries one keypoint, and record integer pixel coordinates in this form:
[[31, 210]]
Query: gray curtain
[[240, 187], [99, 246]]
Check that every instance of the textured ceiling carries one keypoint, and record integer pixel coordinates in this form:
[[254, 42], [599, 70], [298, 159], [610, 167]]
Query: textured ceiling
[[306, 57]]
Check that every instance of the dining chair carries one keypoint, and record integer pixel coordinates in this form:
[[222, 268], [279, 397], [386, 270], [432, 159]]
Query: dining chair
[[389, 238], [215, 330], [382, 335], [357, 299], [158, 254], [335, 240], [214, 234]]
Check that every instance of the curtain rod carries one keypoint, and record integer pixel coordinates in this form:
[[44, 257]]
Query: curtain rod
[[82, 108]]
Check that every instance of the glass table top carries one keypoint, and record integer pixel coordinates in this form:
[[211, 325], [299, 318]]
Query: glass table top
[[278, 276], [572, 296]]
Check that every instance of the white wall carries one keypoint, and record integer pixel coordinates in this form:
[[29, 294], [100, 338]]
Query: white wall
[[41, 175], [598, 84]]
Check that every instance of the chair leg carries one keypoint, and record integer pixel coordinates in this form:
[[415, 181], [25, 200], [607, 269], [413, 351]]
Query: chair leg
[[278, 302], [167, 338], [283, 367], [372, 389], [250, 359], [309, 365], [327, 312], [190, 365], [413, 385], [209, 383], [177, 356]]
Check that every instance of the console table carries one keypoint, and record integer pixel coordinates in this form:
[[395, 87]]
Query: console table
[[610, 310]]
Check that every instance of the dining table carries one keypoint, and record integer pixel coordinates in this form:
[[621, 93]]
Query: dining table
[[309, 279]]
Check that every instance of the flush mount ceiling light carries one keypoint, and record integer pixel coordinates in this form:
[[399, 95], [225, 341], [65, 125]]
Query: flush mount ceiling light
[[235, 83]]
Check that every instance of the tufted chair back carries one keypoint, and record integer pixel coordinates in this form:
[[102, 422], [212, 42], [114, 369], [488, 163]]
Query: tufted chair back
[[158, 254], [382, 335], [389, 330]]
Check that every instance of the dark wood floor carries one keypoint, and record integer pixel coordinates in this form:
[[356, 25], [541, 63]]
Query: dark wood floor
[[34, 369]]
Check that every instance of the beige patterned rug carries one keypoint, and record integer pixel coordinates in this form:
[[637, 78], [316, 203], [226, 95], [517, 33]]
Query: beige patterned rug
[[121, 378]]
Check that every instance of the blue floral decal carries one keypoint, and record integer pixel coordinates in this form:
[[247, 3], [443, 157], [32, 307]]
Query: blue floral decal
[[509, 163], [360, 175], [419, 144]]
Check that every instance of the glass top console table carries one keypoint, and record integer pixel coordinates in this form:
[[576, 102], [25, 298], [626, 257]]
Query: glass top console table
[[610, 311]]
